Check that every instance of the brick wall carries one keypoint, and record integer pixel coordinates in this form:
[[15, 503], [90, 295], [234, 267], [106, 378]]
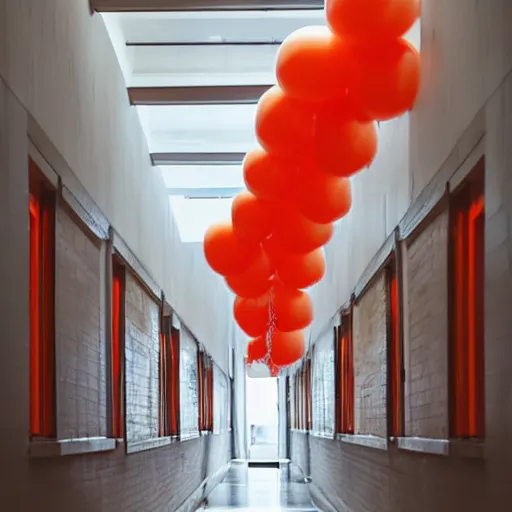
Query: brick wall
[[142, 352], [426, 343], [370, 364], [156, 480], [357, 479], [80, 344]]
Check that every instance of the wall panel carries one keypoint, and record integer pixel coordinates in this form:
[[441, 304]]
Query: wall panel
[[142, 356], [427, 364], [370, 328], [80, 342]]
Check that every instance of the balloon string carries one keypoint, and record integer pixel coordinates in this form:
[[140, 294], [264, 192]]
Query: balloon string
[[271, 325]]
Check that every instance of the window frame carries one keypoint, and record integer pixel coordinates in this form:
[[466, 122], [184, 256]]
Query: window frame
[[466, 361], [345, 374], [42, 203], [395, 348], [117, 388]]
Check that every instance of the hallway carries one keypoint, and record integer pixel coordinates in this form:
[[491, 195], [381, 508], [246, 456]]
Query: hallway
[[261, 490], [354, 158]]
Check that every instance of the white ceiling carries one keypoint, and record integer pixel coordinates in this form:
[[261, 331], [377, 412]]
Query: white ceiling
[[185, 49]]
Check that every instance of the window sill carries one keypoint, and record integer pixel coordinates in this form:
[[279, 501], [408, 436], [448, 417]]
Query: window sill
[[368, 441], [302, 431], [473, 449], [41, 449], [323, 435], [189, 437], [148, 444]]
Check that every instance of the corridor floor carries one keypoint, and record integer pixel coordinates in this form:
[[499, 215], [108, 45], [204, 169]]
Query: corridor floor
[[260, 490]]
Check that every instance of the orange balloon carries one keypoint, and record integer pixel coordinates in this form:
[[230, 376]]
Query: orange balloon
[[255, 281], [252, 315], [275, 250], [225, 253], [286, 347], [372, 19], [297, 233], [284, 125], [293, 308], [252, 217], [388, 79], [321, 197], [301, 270], [313, 64], [265, 175], [344, 145], [256, 349]]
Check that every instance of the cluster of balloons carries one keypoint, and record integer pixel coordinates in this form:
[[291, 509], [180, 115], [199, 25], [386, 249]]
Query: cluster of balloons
[[316, 129]]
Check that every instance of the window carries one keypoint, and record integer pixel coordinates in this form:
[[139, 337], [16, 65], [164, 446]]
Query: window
[[221, 400], [205, 384], [42, 306], [323, 385], [189, 389], [117, 347], [467, 226], [301, 396], [396, 374], [307, 386], [169, 378], [142, 346], [345, 377]]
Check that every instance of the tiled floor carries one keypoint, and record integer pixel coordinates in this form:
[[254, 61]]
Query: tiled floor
[[261, 490]]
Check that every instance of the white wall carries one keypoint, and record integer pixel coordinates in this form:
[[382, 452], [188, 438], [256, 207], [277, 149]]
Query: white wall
[[58, 60], [466, 50]]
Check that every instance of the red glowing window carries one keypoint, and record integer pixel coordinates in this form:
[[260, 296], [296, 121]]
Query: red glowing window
[[169, 378], [117, 348], [467, 227], [395, 357], [42, 306], [345, 380]]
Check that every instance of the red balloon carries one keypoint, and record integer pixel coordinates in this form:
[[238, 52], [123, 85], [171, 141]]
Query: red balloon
[[321, 197], [287, 347], [255, 281], [274, 250], [252, 217], [388, 78], [225, 253], [252, 315], [313, 64], [344, 144], [265, 175], [293, 308], [256, 349], [301, 270], [372, 19], [297, 233], [284, 125]]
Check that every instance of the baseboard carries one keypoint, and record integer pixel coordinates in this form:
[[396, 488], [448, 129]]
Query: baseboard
[[193, 502]]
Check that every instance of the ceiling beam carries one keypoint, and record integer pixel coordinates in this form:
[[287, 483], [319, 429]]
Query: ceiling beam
[[197, 158], [200, 95], [205, 193], [204, 5]]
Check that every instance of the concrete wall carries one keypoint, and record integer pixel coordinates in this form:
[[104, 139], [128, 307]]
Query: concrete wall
[[466, 96], [58, 60], [59, 71], [159, 479]]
